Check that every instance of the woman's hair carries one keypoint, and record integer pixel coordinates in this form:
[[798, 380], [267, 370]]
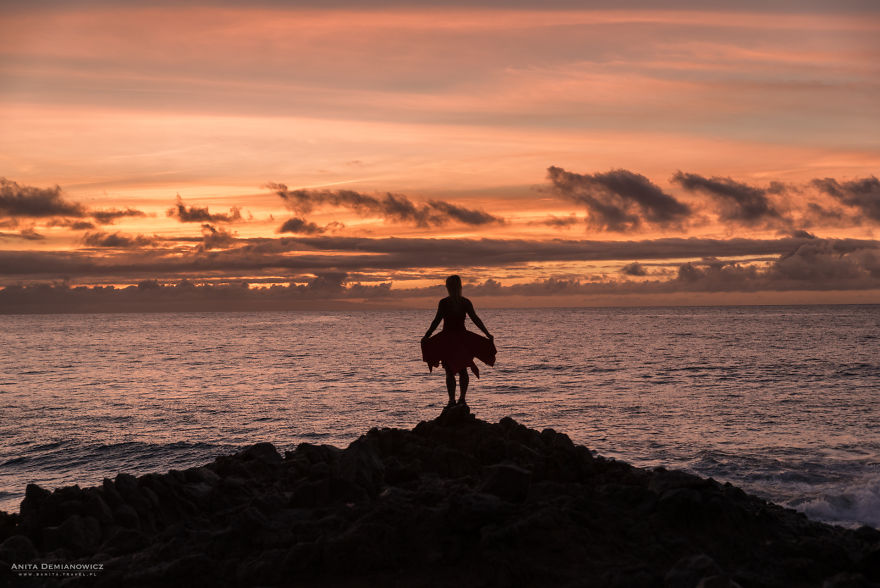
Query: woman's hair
[[453, 284]]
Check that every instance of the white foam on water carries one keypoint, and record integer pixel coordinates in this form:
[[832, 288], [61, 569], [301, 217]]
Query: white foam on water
[[852, 505]]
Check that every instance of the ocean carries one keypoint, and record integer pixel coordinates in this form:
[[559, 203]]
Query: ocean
[[781, 401]]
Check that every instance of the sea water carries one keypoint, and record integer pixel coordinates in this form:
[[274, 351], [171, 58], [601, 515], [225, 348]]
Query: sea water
[[782, 401]]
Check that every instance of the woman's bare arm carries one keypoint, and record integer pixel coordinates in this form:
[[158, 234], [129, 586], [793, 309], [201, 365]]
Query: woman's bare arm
[[473, 314], [436, 320]]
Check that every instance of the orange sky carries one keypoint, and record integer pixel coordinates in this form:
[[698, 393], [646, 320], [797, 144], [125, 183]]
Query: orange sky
[[124, 107]]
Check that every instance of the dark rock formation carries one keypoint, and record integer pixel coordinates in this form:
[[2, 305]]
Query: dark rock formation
[[454, 502]]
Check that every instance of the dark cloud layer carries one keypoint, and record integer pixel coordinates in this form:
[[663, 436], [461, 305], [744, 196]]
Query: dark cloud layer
[[28, 234], [814, 265], [27, 201], [393, 207], [300, 226], [195, 214], [117, 240], [739, 202], [18, 201], [619, 200], [353, 254], [108, 217], [863, 194], [76, 225], [634, 269], [561, 222], [214, 238]]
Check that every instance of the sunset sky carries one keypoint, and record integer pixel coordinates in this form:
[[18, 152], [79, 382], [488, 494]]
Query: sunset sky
[[346, 154]]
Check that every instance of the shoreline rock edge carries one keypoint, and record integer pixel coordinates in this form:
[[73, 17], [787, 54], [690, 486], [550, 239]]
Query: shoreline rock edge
[[454, 501]]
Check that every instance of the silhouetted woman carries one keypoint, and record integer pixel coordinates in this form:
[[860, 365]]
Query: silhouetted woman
[[456, 347]]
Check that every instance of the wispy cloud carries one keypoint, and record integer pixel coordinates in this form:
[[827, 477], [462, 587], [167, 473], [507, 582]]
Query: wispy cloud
[[392, 207], [108, 217], [300, 226], [862, 194], [739, 202], [17, 200], [196, 214], [28, 234], [118, 240], [619, 200], [815, 265], [216, 238]]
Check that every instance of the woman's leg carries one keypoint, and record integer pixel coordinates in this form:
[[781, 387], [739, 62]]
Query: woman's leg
[[463, 380], [450, 386]]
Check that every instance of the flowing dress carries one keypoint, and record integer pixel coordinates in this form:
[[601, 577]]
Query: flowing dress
[[455, 347]]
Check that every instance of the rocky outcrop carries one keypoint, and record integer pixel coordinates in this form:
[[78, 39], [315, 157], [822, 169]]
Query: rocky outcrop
[[454, 502]]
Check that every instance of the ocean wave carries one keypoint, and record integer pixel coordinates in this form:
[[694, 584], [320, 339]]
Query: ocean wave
[[853, 505]]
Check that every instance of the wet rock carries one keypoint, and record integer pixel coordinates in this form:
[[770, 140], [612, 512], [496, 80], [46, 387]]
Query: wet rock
[[264, 452], [94, 506], [689, 571], [203, 475], [455, 416], [455, 501], [8, 524], [78, 534], [868, 534], [126, 516], [717, 582], [125, 541], [507, 481], [362, 466], [869, 563], [848, 580], [17, 549]]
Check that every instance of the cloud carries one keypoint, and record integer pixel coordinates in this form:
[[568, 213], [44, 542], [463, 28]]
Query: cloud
[[823, 263], [117, 240], [330, 282], [195, 214], [76, 225], [301, 226], [28, 234], [634, 269], [108, 217], [561, 222], [619, 200], [739, 202], [27, 201], [863, 194], [392, 207], [467, 216], [214, 238], [801, 234], [814, 265], [418, 256]]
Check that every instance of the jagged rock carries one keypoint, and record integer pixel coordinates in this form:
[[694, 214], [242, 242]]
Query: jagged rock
[[848, 580], [869, 563], [126, 516], [717, 582], [690, 571], [362, 466], [507, 481], [17, 549], [264, 452], [125, 541], [454, 501], [77, 534]]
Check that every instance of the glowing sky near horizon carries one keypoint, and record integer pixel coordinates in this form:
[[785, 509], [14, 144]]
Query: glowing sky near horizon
[[125, 105]]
